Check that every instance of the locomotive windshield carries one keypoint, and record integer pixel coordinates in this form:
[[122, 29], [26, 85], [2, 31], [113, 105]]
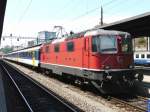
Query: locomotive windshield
[[104, 44], [126, 45]]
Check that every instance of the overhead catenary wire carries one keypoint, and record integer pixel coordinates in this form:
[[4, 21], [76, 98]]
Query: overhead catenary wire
[[112, 8], [19, 20], [118, 11], [93, 10], [25, 11], [108, 3], [23, 14]]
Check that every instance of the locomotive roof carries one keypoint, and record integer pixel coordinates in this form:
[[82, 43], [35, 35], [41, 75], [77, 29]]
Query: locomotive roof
[[104, 32], [91, 32]]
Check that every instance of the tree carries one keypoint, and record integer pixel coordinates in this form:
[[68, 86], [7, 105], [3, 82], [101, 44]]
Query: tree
[[6, 49], [142, 41]]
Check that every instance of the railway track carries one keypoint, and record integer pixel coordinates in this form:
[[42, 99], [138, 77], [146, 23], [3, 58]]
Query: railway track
[[129, 103], [36, 97], [137, 104]]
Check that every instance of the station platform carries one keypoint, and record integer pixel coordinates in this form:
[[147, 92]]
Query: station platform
[[2, 95], [146, 81], [146, 78]]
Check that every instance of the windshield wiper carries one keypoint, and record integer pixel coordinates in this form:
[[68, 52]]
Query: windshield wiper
[[109, 49]]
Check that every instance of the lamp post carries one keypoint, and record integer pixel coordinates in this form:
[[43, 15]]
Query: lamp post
[[101, 16]]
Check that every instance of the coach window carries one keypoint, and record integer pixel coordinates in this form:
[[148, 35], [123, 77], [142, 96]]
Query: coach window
[[137, 55], [56, 48], [23, 54], [70, 46], [142, 56], [47, 49], [31, 54], [148, 55], [28, 54]]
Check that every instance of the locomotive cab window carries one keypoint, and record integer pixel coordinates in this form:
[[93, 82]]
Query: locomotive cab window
[[56, 48], [104, 44], [70, 46], [126, 44]]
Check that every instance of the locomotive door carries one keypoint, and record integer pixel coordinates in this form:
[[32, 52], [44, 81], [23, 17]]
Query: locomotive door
[[47, 54], [86, 53]]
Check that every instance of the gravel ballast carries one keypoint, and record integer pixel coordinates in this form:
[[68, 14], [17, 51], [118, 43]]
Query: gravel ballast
[[85, 101]]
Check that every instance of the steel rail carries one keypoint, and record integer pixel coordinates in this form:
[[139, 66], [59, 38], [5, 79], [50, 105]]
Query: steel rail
[[140, 109], [67, 104], [23, 97]]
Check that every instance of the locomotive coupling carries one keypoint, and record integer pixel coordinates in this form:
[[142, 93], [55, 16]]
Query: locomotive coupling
[[107, 75], [106, 67], [131, 66]]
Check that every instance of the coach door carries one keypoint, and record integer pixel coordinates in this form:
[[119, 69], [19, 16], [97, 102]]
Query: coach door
[[33, 57], [86, 53]]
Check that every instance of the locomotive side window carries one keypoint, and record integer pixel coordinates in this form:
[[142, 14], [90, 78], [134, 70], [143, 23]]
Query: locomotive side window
[[142, 56], [42, 50], [148, 55], [95, 44], [70, 46], [126, 45], [47, 49], [56, 48]]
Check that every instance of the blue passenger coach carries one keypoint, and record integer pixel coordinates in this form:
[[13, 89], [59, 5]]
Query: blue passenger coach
[[142, 58], [29, 56]]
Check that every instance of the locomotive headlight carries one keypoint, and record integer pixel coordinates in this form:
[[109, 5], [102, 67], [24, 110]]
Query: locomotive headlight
[[109, 77], [107, 67]]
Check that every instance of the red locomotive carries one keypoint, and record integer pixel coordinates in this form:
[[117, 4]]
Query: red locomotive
[[101, 57]]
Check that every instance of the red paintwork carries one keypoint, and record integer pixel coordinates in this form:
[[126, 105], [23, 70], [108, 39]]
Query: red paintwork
[[84, 57]]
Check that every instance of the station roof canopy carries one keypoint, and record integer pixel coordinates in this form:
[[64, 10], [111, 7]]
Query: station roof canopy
[[2, 13], [138, 25]]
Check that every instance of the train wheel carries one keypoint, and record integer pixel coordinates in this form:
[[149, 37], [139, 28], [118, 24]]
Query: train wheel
[[140, 77]]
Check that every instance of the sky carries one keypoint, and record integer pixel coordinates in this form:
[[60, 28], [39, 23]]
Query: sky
[[28, 17]]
